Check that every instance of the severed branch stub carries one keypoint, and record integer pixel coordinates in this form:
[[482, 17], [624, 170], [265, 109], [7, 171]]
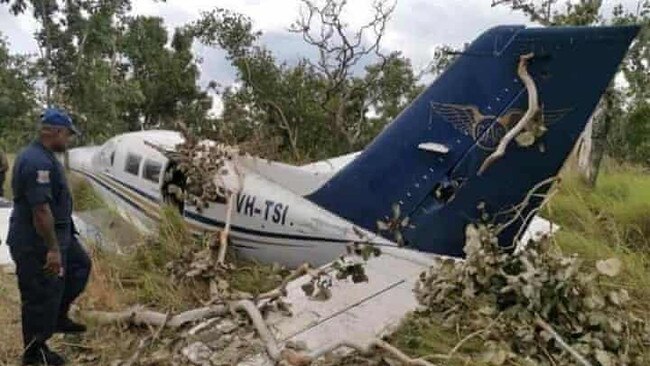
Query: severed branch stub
[[531, 113], [223, 234]]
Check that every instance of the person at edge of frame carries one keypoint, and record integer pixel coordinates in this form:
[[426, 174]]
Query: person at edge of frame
[[51, 266], [4, 166]]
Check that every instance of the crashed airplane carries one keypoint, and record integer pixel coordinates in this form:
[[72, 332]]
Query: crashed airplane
[[501, 119], [497, 124]]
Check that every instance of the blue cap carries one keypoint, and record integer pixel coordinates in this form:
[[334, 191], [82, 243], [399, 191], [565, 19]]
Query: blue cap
[[57, 117]]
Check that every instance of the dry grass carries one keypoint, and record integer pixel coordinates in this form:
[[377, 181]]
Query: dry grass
[[10, 334]]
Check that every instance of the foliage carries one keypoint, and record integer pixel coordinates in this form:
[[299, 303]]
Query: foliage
[[508, 296], [166, 77], [546, 12], [17, 99], [113, 72], [604, 222], [84, 197], [308, 103], [638, 134]]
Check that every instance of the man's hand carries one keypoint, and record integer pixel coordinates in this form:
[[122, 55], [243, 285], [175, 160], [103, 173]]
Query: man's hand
[[53, 263]]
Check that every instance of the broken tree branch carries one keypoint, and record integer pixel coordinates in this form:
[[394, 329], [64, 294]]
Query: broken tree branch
[[368, 349], [144, 343], [263, 331], [139, 316], [533, 109], [544, 325], [518, 209]]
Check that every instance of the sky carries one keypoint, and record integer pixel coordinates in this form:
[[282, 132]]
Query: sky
[[417, 27]]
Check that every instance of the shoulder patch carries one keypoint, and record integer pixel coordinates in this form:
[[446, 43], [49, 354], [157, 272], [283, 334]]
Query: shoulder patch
[[43, 176]]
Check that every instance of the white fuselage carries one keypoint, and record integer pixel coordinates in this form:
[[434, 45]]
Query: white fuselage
[[270, 220]]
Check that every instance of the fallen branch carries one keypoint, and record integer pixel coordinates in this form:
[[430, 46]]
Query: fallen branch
[[533, 109], [137, 354], [263, 331], [139, 316], [300, 359], [577, 356], [519, 208], [144, 343], [368, 350]]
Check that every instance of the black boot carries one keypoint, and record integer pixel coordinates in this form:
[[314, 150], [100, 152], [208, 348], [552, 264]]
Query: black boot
[[42, 355], [66, 325]]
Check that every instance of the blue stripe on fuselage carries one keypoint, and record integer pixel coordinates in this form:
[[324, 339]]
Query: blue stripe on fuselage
[[203, 219]]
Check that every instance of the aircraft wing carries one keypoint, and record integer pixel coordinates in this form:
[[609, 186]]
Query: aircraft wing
[[358, 312], [363, 312]]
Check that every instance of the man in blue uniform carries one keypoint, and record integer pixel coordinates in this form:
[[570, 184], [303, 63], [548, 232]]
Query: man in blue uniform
[[51, 266]]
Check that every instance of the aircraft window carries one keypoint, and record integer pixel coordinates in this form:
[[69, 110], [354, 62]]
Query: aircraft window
[[152, 170], [132, 165]]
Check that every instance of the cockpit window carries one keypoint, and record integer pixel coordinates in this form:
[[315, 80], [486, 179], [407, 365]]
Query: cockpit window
[[132, 165], [152, 171]]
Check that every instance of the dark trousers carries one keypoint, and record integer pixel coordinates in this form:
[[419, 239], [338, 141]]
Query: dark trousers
[[46, 298]]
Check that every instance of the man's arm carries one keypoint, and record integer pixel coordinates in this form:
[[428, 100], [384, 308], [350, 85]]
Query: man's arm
[[36, 179], [44, 224]]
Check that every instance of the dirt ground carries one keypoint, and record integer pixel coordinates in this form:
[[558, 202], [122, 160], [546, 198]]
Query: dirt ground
[[11, 341], [93, 348]]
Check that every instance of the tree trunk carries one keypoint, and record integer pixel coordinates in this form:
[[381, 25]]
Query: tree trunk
[[594, 143]]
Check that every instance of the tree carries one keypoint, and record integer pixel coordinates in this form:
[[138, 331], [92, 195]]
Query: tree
[[346, 99], [638, 133], [17, 99], [115, 73], [548, 13], [315, 108], [167, 78]]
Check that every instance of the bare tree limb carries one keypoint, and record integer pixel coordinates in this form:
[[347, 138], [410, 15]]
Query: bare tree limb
[[144, 343], [340, 50], [137, 315], [577, 356], [368, 349], [533, 110]]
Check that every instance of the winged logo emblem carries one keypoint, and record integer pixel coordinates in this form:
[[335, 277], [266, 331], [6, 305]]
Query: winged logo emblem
[[468, 120]]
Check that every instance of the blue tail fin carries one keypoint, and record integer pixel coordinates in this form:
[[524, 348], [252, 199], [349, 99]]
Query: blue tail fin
[[427, 159]]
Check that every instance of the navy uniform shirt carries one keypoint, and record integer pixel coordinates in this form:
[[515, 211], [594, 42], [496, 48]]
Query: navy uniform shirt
[[38, 177]]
